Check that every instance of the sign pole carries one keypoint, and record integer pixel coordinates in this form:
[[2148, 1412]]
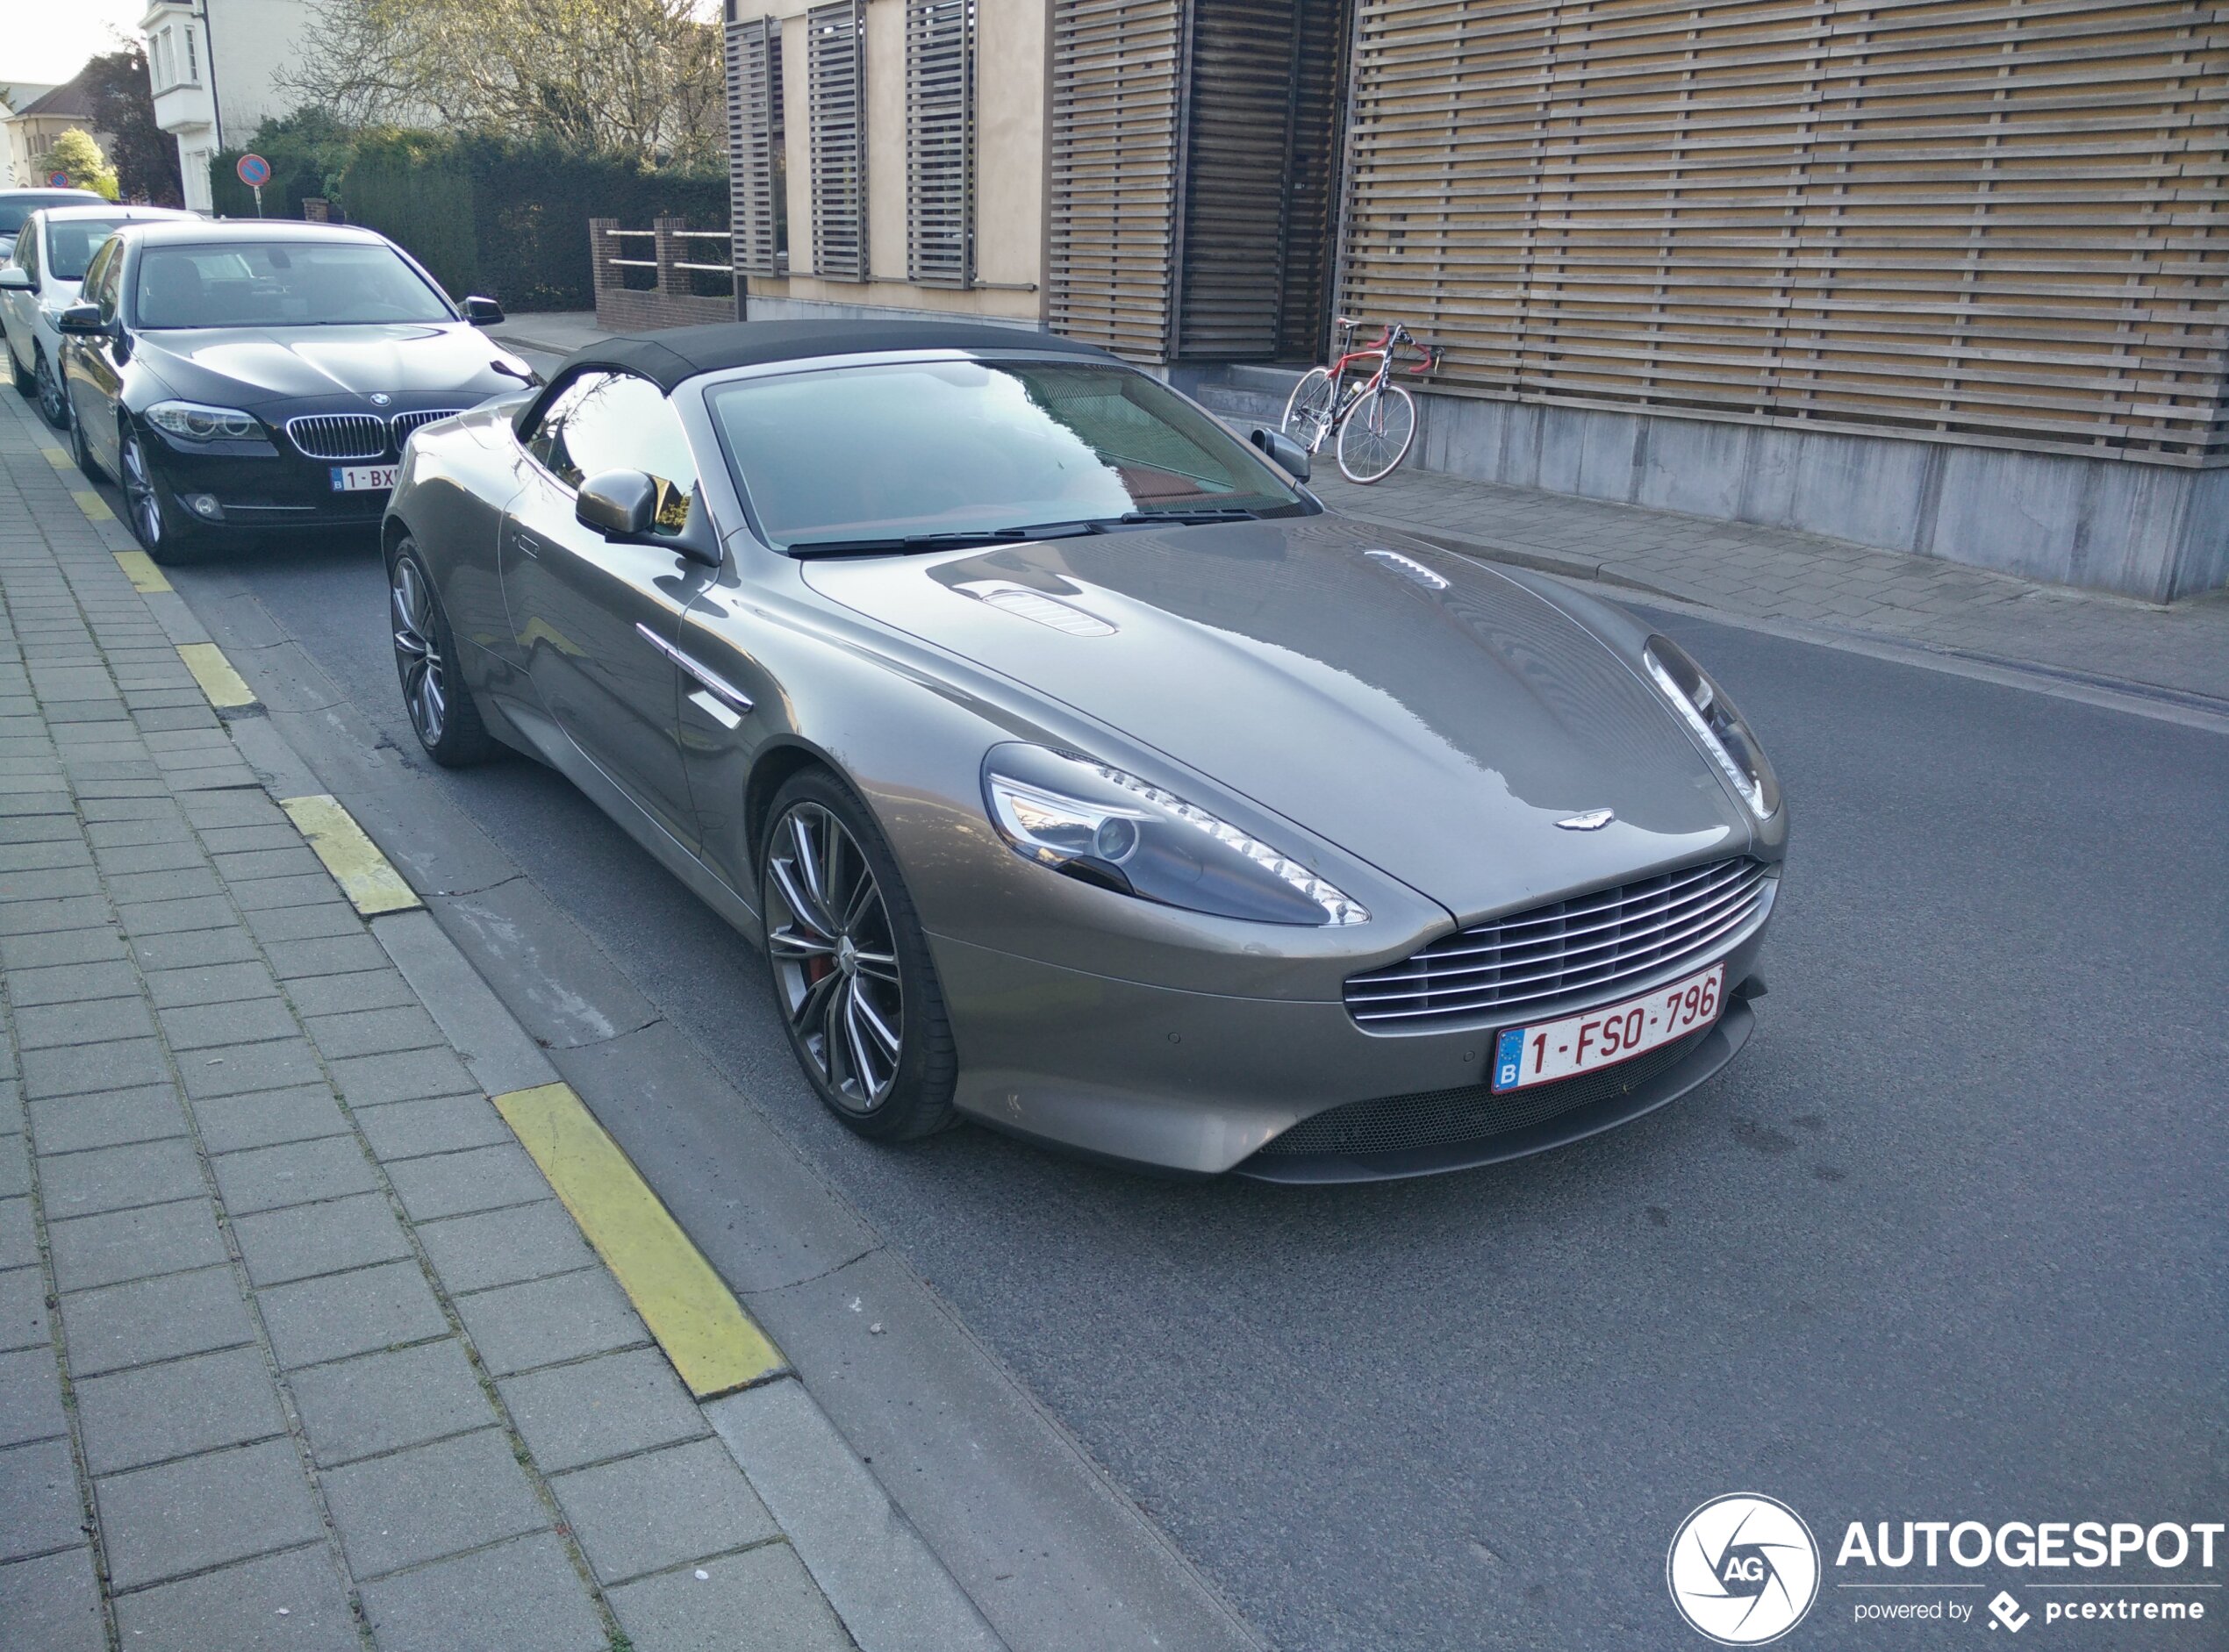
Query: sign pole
[[258, 200]]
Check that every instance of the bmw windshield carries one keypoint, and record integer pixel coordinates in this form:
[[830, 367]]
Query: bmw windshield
[[923, 454], [281, 284]]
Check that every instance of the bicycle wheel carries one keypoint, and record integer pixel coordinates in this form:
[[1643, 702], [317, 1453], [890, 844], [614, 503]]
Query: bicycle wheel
[[1307, 413], [1375, 436]]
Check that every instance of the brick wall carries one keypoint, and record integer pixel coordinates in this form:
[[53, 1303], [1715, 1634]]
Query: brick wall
[[670, 303]]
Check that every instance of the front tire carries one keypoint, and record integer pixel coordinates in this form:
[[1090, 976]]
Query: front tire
[[160, 534], [1377, 433], [853, 980], [1307, 410], [46, 390], [442, 712], [80, 454]]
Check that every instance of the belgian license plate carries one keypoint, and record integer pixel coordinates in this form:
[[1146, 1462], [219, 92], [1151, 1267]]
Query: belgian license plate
[[1585, 1043], [365, 478]]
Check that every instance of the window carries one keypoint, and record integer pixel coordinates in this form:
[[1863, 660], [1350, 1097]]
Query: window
[[836, 70], [758, 175], [71, 243], [940, 142], [105, 279], [193, 59], [616, 421], [26, 256], [975, 447], [282, 284]]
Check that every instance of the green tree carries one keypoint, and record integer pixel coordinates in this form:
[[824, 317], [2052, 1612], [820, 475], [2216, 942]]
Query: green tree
[[641, 78], [76, 156], [146, 157]]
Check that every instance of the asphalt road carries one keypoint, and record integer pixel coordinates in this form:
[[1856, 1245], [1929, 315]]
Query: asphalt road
[[1947, 1241]]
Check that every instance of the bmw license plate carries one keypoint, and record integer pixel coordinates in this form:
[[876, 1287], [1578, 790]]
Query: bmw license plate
[[365, 478], [1596, 1039]]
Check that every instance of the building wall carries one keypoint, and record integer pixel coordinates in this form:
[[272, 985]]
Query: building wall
[[1010, 172], [237, 48]]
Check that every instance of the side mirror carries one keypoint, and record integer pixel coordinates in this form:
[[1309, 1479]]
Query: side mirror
[[619, 504], [15, 278], [483, 312], [80, 320], [1281, 451]]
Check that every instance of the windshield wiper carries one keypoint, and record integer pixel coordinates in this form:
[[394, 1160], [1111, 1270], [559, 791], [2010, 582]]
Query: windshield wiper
[[900, 544]]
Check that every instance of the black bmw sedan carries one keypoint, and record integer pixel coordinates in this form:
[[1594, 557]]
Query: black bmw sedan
[[237, 377]]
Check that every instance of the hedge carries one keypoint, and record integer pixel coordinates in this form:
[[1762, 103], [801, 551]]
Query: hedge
[[504, 217]]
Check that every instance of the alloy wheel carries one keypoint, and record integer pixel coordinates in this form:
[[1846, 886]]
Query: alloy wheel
[[139, 495], [417, 658], [835, 955], [51, 401]]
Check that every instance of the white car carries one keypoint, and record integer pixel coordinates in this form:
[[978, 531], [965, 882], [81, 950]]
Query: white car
[[40, 280]]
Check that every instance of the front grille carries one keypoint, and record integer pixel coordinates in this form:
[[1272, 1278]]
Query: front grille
[[403, 423], [1448, 1117], [1592, 944], [339, 435]]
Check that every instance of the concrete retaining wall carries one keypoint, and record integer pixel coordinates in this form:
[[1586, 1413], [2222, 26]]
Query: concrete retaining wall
[[2155, 532]]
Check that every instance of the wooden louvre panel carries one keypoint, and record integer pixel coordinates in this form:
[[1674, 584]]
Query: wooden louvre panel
[[940, 142], [755, 144], [836, 71], [1982, 221], [1116, 70], [1258, 151]]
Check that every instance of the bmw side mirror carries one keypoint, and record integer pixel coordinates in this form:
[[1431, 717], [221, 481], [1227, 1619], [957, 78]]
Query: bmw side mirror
[[80, 320], [483, 312], [15, 278], [619, 504], [1281, 451]]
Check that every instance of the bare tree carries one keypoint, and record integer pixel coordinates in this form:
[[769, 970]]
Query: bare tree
[[639, 77]]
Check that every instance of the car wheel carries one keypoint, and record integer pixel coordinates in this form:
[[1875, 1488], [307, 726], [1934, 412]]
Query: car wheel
[[443, 714], [52, 403], [159, 533], [852, 976]]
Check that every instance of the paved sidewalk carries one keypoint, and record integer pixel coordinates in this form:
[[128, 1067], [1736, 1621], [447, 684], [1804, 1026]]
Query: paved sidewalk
[[297, 1348]]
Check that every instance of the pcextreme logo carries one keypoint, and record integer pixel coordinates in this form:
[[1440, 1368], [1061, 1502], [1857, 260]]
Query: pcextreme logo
[[1743, 1570]]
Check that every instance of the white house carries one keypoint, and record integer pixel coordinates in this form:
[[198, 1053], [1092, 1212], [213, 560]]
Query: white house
[[211, 63], [31, 117]]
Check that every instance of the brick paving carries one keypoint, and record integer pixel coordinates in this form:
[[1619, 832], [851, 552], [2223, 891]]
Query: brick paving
[[297, 1347]]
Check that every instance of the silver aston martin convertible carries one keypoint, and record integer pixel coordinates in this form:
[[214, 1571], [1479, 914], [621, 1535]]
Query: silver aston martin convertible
[[1079, 773]]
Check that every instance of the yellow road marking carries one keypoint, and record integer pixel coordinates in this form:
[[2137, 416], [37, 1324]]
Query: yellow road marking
[[215, 674], [58, 458], [370, 883], [95, 507], [704, 1331], [139, 569]]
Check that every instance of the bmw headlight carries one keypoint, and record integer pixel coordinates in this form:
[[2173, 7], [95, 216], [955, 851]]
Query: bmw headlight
[[1703, 706], [190, 421], [1103, 827]]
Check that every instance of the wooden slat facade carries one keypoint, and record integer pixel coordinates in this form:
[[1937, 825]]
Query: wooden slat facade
[[1114, 138], [1971, 219], [836, 104]]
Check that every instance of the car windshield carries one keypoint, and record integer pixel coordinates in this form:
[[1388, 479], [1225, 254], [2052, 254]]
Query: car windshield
[[951, 449], [281, 284], [16, 208], [70, 243]]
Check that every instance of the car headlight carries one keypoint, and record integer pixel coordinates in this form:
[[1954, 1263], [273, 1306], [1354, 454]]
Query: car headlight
[[193, 422], [1103, 827], [1703, 706]]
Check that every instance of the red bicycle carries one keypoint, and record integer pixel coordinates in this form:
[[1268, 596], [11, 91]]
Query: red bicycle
[[1375, 418]]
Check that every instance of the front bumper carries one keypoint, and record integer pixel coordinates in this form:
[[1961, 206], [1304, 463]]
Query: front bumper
[[1199, 1084], [257, 484]]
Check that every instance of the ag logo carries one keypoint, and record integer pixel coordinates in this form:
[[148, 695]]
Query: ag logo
[[1743, 1570]]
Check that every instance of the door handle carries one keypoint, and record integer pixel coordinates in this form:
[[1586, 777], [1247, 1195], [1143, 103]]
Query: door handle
[[719, 687]]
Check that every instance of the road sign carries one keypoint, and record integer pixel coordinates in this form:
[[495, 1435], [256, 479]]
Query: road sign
[[253, 170], [59, 180]]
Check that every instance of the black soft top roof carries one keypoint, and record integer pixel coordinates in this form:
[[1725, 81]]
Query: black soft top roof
[[675, 354]]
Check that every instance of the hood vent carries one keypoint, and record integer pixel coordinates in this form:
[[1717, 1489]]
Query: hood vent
[[1409, 569], [1025, 604]]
